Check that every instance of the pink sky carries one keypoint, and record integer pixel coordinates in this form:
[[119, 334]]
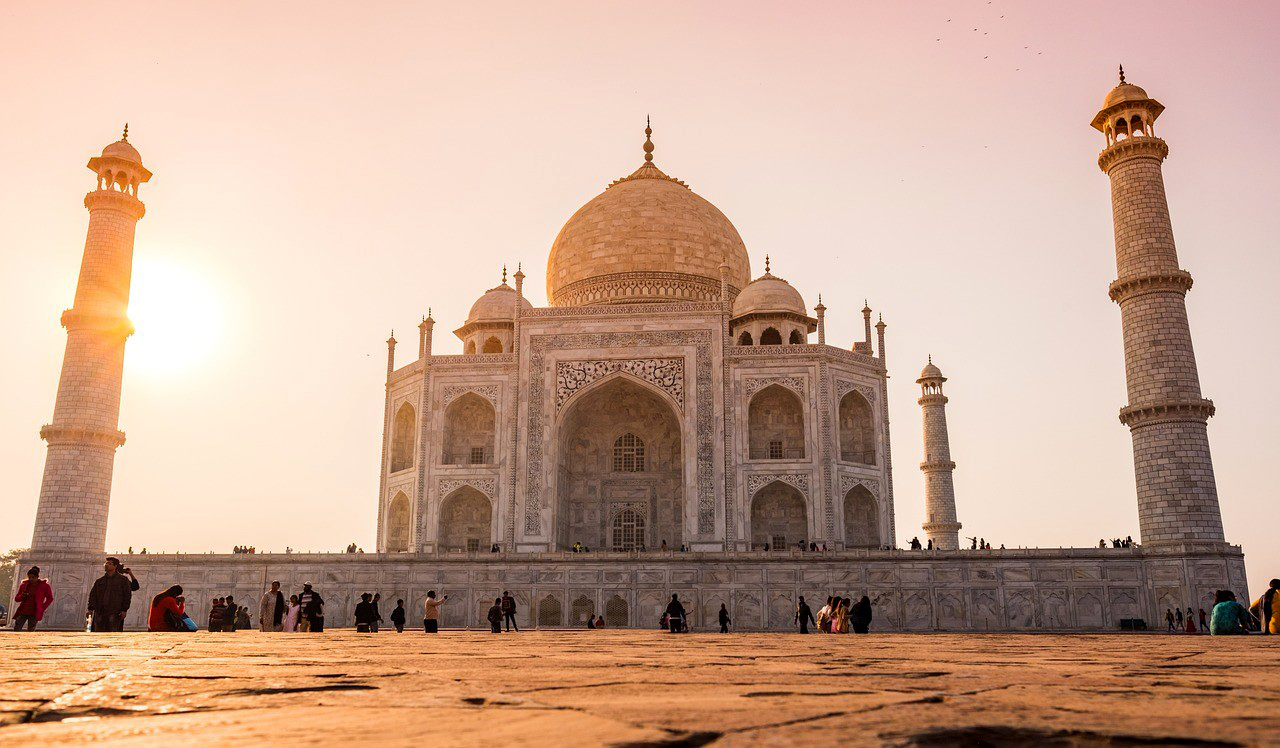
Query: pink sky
[[331, 170]]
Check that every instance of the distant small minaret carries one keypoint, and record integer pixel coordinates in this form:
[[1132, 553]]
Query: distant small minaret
[[76, 491], [939, 492]]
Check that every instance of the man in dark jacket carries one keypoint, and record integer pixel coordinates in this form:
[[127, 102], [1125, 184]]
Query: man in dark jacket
[[110, 596], [804, 616], [366, 614], [509, 611], [397, 617], [312, 608], [675, 614]]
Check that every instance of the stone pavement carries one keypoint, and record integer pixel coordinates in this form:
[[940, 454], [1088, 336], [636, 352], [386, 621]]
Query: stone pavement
[[641, 688]]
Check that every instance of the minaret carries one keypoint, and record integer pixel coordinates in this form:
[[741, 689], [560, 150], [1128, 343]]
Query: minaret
[[76, 491], [1166, 415], [939, 492]]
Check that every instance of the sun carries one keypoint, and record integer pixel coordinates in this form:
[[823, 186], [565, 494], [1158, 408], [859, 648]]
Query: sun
[[177, 318]]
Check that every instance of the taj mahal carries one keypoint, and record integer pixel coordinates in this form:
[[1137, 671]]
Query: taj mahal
[[675, 422]]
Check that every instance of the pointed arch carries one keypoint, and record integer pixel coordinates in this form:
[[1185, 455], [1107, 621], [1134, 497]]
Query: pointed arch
[[628, 454], [745, 338], [796, 338], [403, 438], [779, 517], [775, 425], [771, 336], [616, 612], [550, 612], [492, 345], [466, 521], [581, 608], [861, 519], [857, 429], [397, 523], [470, 348], [627, 531], [469, 431]]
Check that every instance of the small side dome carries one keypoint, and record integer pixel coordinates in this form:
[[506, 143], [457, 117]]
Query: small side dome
[[496, 305], [1124, 92], [930, 372], [122, 149], [767, 294]]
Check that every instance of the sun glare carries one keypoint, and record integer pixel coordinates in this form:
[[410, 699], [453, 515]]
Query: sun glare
[[177, 318]]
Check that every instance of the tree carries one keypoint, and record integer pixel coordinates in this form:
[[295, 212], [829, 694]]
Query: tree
[[8, 560]]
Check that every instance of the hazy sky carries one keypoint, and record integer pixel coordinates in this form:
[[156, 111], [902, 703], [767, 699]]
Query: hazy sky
[[324, 172]]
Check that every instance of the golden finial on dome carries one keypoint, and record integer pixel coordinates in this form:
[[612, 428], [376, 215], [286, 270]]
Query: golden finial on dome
[[125, 137], [1122, 74], [504, 273], [648, 142], [766, 263]]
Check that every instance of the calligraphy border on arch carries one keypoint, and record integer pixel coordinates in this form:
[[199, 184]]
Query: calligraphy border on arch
[[487, 391], [757, 481], [844, 387], [847, 482], [540, 344], [753, 385], [486, 486], [666, 374]]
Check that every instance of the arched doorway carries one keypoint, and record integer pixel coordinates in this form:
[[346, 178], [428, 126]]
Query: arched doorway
[[402, 438], [778, 517], [397, 520], [861, 519], [469, 431], [582, 609], [775, 424], [615, 612], [466, 516], [857, 430], [549, 612], [621, 476]]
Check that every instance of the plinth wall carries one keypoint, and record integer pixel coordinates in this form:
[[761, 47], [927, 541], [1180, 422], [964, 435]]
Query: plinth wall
[[1014, 590]]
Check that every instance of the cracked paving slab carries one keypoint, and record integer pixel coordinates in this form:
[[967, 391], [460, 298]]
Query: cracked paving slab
[[639, 688]]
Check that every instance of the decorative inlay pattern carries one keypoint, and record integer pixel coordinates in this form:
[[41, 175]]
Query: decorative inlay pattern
[[847, 482], [665, 373], [757, 481], [473, 359], [844, 387], [795, 384], [824, 416], [709, 307], [487, 391], [810, 351], [705, 427], [486, 486]]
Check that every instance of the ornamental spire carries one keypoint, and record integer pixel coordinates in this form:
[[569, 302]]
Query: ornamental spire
[[1122, 74], [648, 142], [504, 273], [766, 263], [125, 137]]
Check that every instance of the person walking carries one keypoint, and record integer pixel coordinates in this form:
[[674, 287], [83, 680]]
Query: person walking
[[824, 617], [377, 614], [724, 619], [271, 609], [291, 615], [804, 616], [167, 613], [1266, 610], [397, 617], [1191, 621], [1204, 622], [860, 616], [1228, 616], [1177, 615], [675, 614], [509, 611], [33, 599], [110, 596], [365, 614], [431, 612], [495, 616], [312, 609]]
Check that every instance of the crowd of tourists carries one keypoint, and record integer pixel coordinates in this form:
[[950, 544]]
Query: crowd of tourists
[[1125, 542], [304, 612]]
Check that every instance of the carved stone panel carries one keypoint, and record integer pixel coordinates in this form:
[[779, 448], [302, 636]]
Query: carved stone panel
[[667, 374]]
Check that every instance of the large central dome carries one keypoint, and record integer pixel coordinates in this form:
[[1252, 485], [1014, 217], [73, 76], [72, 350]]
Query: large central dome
[[646, 238]]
